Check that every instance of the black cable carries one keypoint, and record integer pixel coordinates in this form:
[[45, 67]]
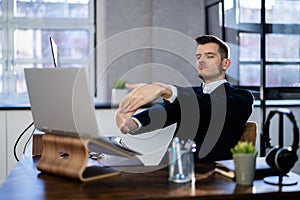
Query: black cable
[[17, 141], [25, 146]]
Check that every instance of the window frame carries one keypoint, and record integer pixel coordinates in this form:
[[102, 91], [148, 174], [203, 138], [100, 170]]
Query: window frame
[[9, 23], [263, 29]]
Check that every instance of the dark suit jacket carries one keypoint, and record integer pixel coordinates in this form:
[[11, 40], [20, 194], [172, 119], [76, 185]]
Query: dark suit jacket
[[214, 121]]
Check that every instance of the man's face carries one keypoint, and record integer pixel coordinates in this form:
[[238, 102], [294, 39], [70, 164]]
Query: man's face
[[210, 66]]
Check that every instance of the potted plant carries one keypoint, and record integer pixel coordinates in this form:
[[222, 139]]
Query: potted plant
[[244, 156], [119, 91]]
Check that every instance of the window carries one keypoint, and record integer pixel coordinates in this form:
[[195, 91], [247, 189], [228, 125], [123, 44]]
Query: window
[[282, 64], [245, 25], [26, 26]]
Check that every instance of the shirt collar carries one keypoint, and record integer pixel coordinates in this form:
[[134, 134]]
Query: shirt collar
[[210, 87]]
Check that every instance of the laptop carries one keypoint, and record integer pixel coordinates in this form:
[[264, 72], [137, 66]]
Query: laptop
[[61, 103]]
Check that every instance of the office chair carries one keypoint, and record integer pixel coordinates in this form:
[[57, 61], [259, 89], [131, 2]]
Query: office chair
[[249, 133]]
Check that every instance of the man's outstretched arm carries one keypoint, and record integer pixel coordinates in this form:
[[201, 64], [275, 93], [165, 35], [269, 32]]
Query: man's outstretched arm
[[140, 95]]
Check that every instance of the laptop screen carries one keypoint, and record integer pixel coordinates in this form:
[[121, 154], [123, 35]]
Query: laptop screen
[[61, 101]]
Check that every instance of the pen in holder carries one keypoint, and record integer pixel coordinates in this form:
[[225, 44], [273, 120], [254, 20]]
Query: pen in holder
[[181, 158]]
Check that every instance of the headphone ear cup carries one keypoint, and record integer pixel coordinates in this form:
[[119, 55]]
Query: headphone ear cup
[[270, 156], [285, 159]]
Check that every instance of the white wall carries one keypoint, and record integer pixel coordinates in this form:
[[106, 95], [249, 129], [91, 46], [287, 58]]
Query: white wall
[[17, 122], [13, 123]]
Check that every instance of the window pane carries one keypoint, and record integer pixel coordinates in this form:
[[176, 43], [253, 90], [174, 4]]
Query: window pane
[[52, 9], [282, 75], [249, 75], [249, 11], [249, 47], [282, 47], [215, 25], [32, 44], [229, 12], [0, 7], [283, 11]]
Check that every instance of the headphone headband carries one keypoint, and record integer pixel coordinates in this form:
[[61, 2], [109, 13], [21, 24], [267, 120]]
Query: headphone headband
[[291, 117]]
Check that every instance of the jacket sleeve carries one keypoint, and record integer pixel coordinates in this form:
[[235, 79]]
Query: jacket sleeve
[[161, 115]]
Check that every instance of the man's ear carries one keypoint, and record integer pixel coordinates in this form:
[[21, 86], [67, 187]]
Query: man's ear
[[226, 63]]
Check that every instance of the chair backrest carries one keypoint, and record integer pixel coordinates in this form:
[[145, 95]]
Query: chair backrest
[[249, 133]]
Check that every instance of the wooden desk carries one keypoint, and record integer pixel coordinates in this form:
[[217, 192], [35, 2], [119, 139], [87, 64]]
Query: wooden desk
[[26, 182]]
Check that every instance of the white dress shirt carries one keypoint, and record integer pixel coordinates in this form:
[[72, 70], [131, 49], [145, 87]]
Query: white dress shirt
[[210, 87]]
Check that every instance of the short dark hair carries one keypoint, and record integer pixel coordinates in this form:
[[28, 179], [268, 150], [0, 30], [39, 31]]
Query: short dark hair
[[224, 49]]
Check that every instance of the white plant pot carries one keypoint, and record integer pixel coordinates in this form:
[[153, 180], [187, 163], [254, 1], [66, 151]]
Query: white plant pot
[[117, 95], [245, 165]]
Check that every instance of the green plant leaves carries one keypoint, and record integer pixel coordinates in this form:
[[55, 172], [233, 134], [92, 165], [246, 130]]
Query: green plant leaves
[[244, 147]]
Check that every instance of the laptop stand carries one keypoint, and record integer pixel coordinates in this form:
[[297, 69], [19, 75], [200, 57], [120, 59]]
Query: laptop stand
[[68, 156]]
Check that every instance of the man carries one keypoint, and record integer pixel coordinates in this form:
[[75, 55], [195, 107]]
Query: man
[[214, 113]]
